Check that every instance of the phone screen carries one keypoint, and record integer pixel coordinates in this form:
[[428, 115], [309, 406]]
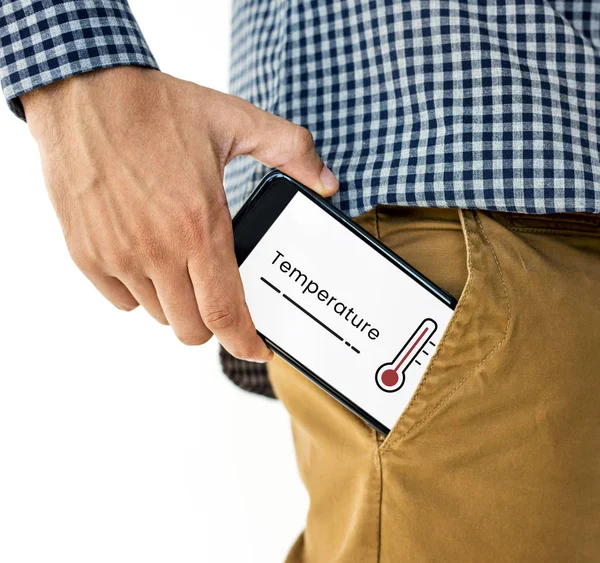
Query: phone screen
[[341, 309]]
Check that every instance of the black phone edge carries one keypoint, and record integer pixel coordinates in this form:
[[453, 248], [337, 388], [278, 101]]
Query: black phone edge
[[329, 389], [371, 241], [417, 276]]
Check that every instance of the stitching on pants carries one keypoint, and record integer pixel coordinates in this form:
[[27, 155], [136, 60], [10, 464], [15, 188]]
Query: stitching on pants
[[564, 221], [557, 232], [460, 383], [377, 233], [380, 515], [457, 311]]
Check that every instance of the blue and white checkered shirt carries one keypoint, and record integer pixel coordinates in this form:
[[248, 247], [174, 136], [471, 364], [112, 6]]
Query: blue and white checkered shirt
[[488, 104], [42, 41]]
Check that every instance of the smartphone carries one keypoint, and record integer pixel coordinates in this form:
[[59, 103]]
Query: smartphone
[[336, 303]]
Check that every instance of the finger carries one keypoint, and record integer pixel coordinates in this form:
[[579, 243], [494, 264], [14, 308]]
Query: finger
[[114, 291], [220, 297], [281, 144], [145, 294], [176, 295]]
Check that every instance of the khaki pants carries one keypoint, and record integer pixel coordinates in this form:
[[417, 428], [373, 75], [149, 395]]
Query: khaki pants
[[497, 456]]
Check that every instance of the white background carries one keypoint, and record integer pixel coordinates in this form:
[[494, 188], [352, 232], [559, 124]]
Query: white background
[[117, 443]]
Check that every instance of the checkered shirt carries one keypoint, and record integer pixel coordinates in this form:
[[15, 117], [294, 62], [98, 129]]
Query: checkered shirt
[[485, 104], [42, 41]]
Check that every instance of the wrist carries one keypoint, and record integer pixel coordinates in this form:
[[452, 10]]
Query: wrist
[[49, 107], [42, 104]]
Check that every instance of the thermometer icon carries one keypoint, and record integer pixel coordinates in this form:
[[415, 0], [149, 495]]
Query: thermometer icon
[[390, 377]]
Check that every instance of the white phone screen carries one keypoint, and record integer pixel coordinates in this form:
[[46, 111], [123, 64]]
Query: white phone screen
[[342, 309]]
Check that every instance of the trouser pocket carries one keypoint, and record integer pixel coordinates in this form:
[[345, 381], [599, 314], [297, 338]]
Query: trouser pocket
[[497, 457]]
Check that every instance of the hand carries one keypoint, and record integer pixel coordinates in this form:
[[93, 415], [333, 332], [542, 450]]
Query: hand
[[133, 160]]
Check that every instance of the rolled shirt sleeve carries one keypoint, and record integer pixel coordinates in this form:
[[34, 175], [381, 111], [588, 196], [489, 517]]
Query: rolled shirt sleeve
[[42, 41]]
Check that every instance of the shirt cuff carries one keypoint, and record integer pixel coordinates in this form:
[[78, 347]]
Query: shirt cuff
[[47, 40]]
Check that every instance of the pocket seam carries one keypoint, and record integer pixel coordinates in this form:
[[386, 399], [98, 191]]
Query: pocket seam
[[377, 235], [387, 446], [461, 302]]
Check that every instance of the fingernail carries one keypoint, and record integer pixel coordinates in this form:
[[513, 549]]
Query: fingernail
[[328, 179]]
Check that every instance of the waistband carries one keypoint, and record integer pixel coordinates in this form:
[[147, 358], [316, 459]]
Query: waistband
[[555, 223]]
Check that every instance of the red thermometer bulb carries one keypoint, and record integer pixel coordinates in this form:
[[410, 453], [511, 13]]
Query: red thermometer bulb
[[391, 377]]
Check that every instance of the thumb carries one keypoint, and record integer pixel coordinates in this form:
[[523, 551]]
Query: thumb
[[281, 144]]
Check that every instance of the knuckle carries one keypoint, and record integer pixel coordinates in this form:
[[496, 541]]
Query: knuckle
[[127, 307], [129, 254], [202, 224], [80, 257], [194, 339], [194, 228], [244, 351], [304, 140], [122, 261], [221, 238], [145, 246], [220, 318], [153, 254]]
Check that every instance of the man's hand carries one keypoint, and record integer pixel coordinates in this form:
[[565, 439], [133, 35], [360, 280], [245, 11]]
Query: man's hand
[[133, 161]]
